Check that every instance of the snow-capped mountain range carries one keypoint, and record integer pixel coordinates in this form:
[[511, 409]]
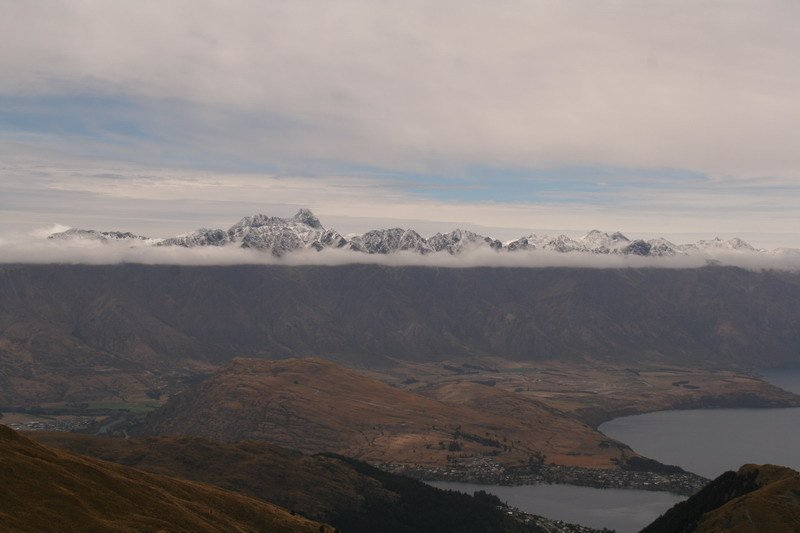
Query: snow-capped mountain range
[[304, 231]]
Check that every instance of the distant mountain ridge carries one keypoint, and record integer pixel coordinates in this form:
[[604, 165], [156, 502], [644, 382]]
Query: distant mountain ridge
[[304, 231], [60, 324]]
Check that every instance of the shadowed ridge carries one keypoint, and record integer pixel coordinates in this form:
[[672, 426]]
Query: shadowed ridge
[[11, 440], [766, 474], [51, 490], [345, 493], [753, 499], [8, 434]]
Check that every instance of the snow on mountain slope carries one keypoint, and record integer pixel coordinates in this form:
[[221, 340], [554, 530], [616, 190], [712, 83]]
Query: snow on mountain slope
[[304, 231], [523, 243], [716, 243], [385, 241], [102, 236], [637, 247], [459, 240], [661, 247], [282, 235], [201, 237], [563, 244], [604, 243]]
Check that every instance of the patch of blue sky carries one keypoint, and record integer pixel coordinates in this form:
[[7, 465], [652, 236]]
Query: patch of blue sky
[[87, 116], [154, 131], [581, 173], [555, 185]]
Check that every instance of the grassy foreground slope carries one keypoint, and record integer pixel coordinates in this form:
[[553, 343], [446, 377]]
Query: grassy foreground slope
[[349, 494], [43, 489], [754, 499]]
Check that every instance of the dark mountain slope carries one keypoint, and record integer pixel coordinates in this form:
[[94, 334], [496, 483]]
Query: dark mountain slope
[[73, 318], [350, 495], [43, 489], [756, 498]]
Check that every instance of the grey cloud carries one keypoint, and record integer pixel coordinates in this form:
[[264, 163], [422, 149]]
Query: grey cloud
[[408, 84]]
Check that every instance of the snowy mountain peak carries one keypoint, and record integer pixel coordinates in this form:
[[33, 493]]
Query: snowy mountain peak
[[738, 244], [385, 241], [597, 239], [94, 235], [305, 216], [735, 244], [562, 243], [281, 235], [257, 221], [304, 231], [523, 243], [661, 247], [638, 247], [200, 237], [459, 240]]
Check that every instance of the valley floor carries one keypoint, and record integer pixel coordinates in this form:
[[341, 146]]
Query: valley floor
[[486, 420], [578, 397]]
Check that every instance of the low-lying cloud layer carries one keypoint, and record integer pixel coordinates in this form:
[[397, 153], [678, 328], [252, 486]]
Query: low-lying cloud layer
[[27, 250]]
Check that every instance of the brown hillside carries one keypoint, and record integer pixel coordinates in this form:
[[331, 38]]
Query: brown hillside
[[755, 499], [315, 486], [350, 495], [316, 405], [51, 490], [774, 506]]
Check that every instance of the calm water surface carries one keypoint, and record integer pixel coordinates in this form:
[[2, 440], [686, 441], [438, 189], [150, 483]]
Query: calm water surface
[[623, 510], [711, 441], [787, 378]]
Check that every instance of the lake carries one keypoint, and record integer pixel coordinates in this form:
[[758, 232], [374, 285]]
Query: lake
[[620, 509], [711, 441], [785, 378], [705, 441]]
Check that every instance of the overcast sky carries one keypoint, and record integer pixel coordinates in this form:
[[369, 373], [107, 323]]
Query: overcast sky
[[674, 118]]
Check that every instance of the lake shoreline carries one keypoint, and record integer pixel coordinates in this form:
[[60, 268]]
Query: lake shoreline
[[685, 483], [621, 510], [713, 439], [682, 483], [551, 490], [743, 401]]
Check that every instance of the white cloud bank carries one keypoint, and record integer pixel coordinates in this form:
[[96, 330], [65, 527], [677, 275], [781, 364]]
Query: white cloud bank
[[18, 249]]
